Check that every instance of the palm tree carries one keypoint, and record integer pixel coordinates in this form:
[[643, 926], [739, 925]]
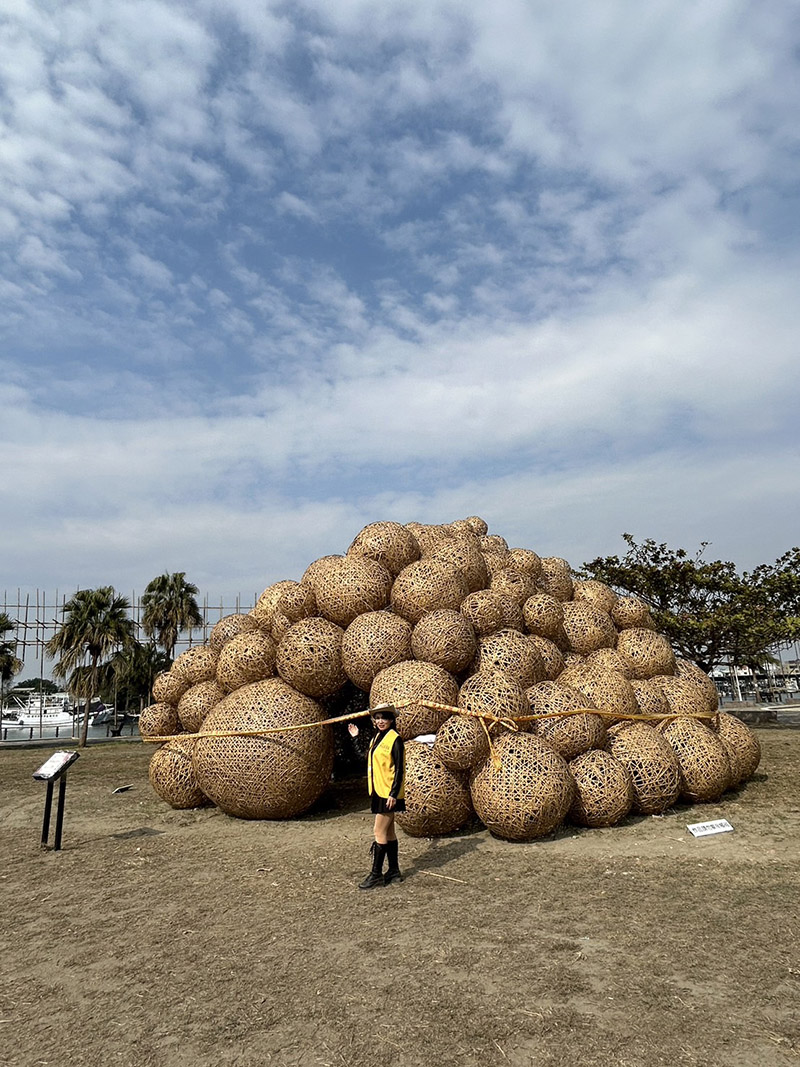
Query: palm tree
[[134, 670], [95, 625], [9, 664], [169, 607]]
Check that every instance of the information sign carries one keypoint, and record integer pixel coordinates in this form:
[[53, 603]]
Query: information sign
[[55, 766], [703, 829]]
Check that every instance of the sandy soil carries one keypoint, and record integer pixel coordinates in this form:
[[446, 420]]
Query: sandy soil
[[188, 938]]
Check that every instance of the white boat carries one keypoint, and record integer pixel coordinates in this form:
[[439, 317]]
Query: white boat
[[45, 709]]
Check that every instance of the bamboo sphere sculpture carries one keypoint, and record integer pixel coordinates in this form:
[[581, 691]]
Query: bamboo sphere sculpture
[[298, 603], [309, 657], [556, 578], [446, 639], [169, 687], [372, 641], [608, 659], [461, 743], [267, 603], [437, 799], [478, 525], [315, 570], [705, 767], [430, 535], [598, 594], [414, 683], [172, 775], [570, 735], [493, 693], [544, 616], [682, 696], [552, 698], [587, 628], [279, 627], [494, 543], [513, 619], [197, 702], [462, 528], [690, 672], [159, 720], [274, 776], [247, 658], [526, 561], [528, 794], [630, 612], [466, 559], [387, 543], [603, 789], [197, 664], [484, 611], [516, 584], [741, 744], [350, 587], [607, 690], [512, 653], [552, 658], [495, 562], [653, 766], [230, 626], [647, 653], [427, 585], [649, 697]]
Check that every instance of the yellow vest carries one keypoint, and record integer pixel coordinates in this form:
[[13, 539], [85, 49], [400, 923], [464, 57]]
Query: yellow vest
[[380, 765]]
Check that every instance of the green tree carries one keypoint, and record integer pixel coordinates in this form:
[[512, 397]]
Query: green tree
[[9, 663], [169, 607], [133, 670], [95, 625], [708, 610]]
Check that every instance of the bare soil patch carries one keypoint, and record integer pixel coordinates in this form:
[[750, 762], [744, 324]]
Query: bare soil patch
[[187, 939]]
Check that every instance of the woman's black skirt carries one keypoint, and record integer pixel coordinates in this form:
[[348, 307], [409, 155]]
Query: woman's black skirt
[[379, 806]]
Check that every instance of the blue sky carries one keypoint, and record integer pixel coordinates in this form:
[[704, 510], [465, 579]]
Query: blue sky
[[271, 271]]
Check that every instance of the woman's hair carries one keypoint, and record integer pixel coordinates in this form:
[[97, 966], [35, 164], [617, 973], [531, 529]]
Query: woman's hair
[[385, 710]]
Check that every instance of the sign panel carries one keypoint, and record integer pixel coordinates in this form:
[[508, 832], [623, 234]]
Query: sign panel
[[55, 766], [703, 829]]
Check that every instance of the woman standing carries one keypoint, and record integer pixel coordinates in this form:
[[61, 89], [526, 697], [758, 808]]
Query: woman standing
[[386, 783]]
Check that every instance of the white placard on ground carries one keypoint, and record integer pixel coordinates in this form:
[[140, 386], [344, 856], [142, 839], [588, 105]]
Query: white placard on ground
[[703, 829]]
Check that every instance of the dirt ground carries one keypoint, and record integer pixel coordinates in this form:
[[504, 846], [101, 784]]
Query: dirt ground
[[187, 939]]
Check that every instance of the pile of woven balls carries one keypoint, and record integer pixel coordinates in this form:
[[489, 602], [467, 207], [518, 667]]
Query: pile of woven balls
[[526, 696]]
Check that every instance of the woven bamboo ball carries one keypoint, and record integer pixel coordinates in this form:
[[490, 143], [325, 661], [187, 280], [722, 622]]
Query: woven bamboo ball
[[608, 659], [603, 789], [387, 543], [172, 775], [647, 653], [280, 624], [568, 734], [692, 673], [494, 543], [437, 799], [315, 570], [462, 528], [552, 658], [682, 696], [591, 591], [512, 653], [229, 627], [246, 658], [484, 611], [374, 640], [587, 628], [197, 664], [528, 794], [649, 697], [427, 585], [267, 603], [461, 742], [159, 720], [544, 616], [197, 702], [549, 698], [493, 693], [415, 682], [653, 766], [446, 639], [705, 767], [430, 535], [741, 744], [478, 525], [495, 562], [169, 687], [608, 691], [466, 559], [310, 657], [630, 612], [526, 561], [516, 584], [513, 619], [556, 578], [275, 776], [351, 586], [298, 603]]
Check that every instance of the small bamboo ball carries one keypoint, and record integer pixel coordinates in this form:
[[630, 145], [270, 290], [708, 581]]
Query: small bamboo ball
[[647, 653], [495, 562], [466, 559], [608, 691], [229, 627], [297, 603], [249, 657], [544, 616], [493, 693], [516, 584], [512, 653], [314, 571], [445, 638], [494, 543], [197, 664], [159, 720], [437, 799], [484, 611], [169, 687], [587, 628], [552, 658], [372, 641], [705, 767], [461, 742], [630, 612], [649, 697], [690, 672], [429, 535], [478, 525], [556, 578], [197, 702], [427, 585], [267, 604], [653, 766], [742, 746], [310, 657], [513, 619], [526, 561], [351, 586], [415, 684], [603, 789], [387, 543], [172, 775], [598, 594]]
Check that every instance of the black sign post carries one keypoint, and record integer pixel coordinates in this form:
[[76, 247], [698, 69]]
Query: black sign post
[[55, 768]]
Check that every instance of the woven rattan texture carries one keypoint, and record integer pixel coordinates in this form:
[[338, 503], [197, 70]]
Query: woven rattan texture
[[197, 702], [556, 578], [159, 720], [315, 570], [415, 682], [513, 618], [169, 687], [275, 776], [310, 657], [526, 561], [653, 766], [437, 799], [445, 638], [512, 653], [647, 653], [430, 535], [298, 603], [373, 641], [596, 593], [630, 612], [603, 789], [493, 693], [461, 743], [608, 659], [552, 658], [705, 767], [690, 672], [172, 775], [478, 525], [466, 558], [350, 587], [267, 603], [387, 543], [550, 698], [607, 690], [544, 616], [588, 628], [516, 584], [197, 664], [649, 697], [742, 746], [682, 695], [570, 735], [229, 627], [495, 562], [280, 626], [484, 611], [528, 794], [246, 658], [426, 585], [494, 543]]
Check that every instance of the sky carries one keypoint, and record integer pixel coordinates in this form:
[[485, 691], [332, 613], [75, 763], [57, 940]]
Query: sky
[[273, 271]]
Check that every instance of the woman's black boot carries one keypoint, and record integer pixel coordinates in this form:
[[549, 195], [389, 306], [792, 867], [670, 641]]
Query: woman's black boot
[[393, 870], [375, 877]]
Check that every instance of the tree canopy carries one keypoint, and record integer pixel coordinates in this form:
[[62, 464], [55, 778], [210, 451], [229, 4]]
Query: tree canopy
[[9, 663], [708, 610], [169, 607]]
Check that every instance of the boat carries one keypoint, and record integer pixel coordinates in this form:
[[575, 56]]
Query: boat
[[45, 709]]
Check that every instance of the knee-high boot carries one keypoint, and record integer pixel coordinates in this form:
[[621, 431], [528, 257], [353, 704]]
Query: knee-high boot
[[375, 877], [393, 870]]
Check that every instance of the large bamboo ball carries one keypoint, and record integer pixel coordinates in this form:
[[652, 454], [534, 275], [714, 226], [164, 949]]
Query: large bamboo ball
[[608, 691], [169, 687], [197, 664], [556, 578], [653, 766], [598, 594], [267, 604], [629, 612], [445, 638], [466, 559], [415, 684], [493, 693], [437, 799], [351, 586], [690, 672], [682, 696], [516, 584], [603, 789], [430, 535], [197, 702], [526, 561], [387, 543], [649, 697], [159, 720], [309, 657], [741, 744], [544, 616], [587, 628], [230, 626], [461, 742], [569, 727], [274, 776], [527, 794], [427, 585], [608, 659], [552, 659], [172, 775], [512, 653], [246, 658], [513, 619], [315, 570], [372, 641], [483, 609], [298, 602], [705, 767], [646, 652]]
